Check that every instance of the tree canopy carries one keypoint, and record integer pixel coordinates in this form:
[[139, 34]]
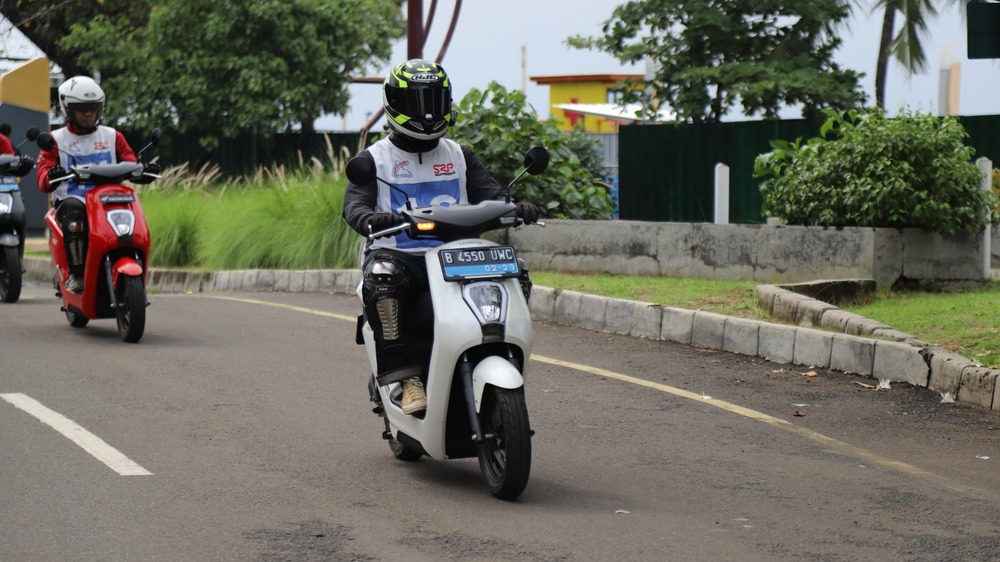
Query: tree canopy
[[219, 67], [711, 56]]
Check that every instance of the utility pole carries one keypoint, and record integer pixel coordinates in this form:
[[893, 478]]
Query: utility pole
[[414, 29]]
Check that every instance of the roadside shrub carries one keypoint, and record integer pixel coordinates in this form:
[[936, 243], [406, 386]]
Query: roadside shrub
[[500, 127], [869, 170]]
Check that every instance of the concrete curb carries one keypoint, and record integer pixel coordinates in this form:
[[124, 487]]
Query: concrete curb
[[818, 334]]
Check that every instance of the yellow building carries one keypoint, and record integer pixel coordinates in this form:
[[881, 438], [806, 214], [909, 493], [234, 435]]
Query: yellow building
[[594, 90]]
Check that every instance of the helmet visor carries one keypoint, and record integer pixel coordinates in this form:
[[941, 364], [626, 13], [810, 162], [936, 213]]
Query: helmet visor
[[422, 104], [86, 107]]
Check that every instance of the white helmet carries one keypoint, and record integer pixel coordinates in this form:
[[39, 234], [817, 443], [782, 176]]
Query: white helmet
[[80, 92]]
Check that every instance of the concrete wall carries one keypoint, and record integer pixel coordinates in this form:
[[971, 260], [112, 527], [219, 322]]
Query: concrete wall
[[765, 254]]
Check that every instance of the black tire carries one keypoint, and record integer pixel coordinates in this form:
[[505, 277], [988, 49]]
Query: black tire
[[131, 311], [76, 320], [10, 274], [505, 455]]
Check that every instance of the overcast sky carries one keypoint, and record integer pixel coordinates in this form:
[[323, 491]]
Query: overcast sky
[[488, 42]]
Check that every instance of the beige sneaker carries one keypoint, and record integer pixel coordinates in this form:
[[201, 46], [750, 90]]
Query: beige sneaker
[[414, 397]]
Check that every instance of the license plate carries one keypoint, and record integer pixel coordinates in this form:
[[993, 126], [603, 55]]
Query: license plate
[[479, 263]]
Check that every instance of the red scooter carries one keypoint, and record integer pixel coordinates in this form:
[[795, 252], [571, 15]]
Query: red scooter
[[116, 263]]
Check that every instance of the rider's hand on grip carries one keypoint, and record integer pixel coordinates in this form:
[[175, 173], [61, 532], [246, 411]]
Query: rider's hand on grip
[[527, 212], [382, 221], [55, 173], [152, 168], [25, 166]]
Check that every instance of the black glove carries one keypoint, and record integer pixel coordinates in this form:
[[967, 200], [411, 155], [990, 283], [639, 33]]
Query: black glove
[[56, 172], [152, 168], [527, 212], [382, 221], [24, 168]]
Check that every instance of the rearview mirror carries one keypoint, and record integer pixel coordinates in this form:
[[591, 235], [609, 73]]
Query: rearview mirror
[[361, 170], [536, 160]]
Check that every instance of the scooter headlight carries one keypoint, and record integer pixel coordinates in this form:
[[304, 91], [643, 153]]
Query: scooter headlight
[[122, 221], [488, 300], [6, 203]]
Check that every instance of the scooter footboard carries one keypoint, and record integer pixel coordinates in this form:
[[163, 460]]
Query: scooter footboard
[[495, 371]]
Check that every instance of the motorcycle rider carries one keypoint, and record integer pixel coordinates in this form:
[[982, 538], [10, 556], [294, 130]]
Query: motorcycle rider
[[431, 169], [83, 140]]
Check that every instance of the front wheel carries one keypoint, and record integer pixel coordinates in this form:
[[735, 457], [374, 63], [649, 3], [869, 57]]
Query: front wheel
[[131, 311], [505, 455], [10, 274]]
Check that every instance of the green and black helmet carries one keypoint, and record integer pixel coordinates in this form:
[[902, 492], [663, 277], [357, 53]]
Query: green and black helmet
[[417, 98]]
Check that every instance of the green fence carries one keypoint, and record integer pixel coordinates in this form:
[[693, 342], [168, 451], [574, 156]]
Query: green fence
[[667, 172]]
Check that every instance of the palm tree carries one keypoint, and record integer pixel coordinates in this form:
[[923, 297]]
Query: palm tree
[[905, 46]]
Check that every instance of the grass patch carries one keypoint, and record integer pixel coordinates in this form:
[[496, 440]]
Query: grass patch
[[965, 322], [722, 296]]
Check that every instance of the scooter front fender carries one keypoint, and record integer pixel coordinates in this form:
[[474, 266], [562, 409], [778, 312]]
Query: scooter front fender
[[7, 239], [125, 266], [495, 371]]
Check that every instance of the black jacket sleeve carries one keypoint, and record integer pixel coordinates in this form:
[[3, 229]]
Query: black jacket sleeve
[[359, 202]]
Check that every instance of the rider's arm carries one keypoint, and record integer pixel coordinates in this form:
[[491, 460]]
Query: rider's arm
[[46, 159], [359, 203], [5, 146], [480, 184], [125, 152]]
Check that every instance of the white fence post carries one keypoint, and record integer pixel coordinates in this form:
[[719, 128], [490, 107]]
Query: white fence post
[[721, 194], [986, 166]]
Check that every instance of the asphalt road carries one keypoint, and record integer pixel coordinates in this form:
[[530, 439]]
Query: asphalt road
[[239, 429]]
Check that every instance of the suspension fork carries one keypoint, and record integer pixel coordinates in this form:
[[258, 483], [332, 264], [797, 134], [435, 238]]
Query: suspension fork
[[465, 373]]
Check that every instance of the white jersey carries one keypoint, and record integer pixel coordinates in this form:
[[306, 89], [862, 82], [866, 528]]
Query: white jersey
[[429, 178], [96, 148]]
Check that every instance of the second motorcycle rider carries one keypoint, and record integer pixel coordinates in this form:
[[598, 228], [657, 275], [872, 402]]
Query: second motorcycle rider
[[432, 170], [82, 141]]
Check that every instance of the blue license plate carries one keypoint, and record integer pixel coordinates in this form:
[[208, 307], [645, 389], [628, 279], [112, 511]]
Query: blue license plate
[[479, 263]]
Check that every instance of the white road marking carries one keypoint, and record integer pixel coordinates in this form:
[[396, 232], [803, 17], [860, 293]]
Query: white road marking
[[89, 442]]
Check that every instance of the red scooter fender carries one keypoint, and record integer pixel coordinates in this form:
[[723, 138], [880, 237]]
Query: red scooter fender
[[125, 266]]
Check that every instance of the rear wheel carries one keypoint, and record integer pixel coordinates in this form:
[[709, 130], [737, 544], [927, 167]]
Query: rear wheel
[[401, 451], [505, 455], [10, 274], [131, 312]]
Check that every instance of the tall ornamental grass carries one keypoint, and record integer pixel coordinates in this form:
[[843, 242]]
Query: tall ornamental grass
[[278, 219]]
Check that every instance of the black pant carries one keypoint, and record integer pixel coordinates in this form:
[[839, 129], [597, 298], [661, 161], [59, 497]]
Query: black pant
[[390, 275], [72, 216]]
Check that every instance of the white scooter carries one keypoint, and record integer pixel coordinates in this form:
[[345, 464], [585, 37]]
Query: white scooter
[[482, 339]]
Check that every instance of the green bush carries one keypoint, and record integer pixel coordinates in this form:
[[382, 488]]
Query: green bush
[[910, 171], [500, 127]]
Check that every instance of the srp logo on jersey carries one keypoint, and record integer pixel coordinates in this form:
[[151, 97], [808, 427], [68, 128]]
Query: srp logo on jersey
[[444, 169]]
